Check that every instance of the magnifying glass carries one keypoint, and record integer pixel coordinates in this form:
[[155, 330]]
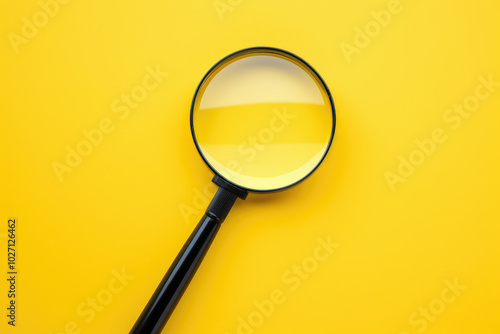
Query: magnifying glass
[[263, 120]]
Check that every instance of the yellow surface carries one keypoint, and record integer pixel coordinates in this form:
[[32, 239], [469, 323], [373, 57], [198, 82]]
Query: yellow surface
[[359, 247]]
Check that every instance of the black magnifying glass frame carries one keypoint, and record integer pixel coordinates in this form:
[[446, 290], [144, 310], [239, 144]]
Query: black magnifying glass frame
[[168, 293], [261, 50]]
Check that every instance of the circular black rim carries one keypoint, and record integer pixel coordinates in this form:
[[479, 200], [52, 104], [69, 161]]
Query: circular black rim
[[266, 49]]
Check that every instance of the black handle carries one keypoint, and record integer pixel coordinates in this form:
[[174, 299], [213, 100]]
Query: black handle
[[174, 283]]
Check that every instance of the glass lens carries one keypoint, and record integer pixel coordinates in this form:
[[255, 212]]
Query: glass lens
[[263, 120]]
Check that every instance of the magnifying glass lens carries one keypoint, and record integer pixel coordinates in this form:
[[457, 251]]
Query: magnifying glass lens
[[262, 120]]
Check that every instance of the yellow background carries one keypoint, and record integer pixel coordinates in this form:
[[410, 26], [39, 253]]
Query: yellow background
[[121, 208]]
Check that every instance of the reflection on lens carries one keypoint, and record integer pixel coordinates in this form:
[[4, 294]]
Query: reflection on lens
[[262, 120]]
